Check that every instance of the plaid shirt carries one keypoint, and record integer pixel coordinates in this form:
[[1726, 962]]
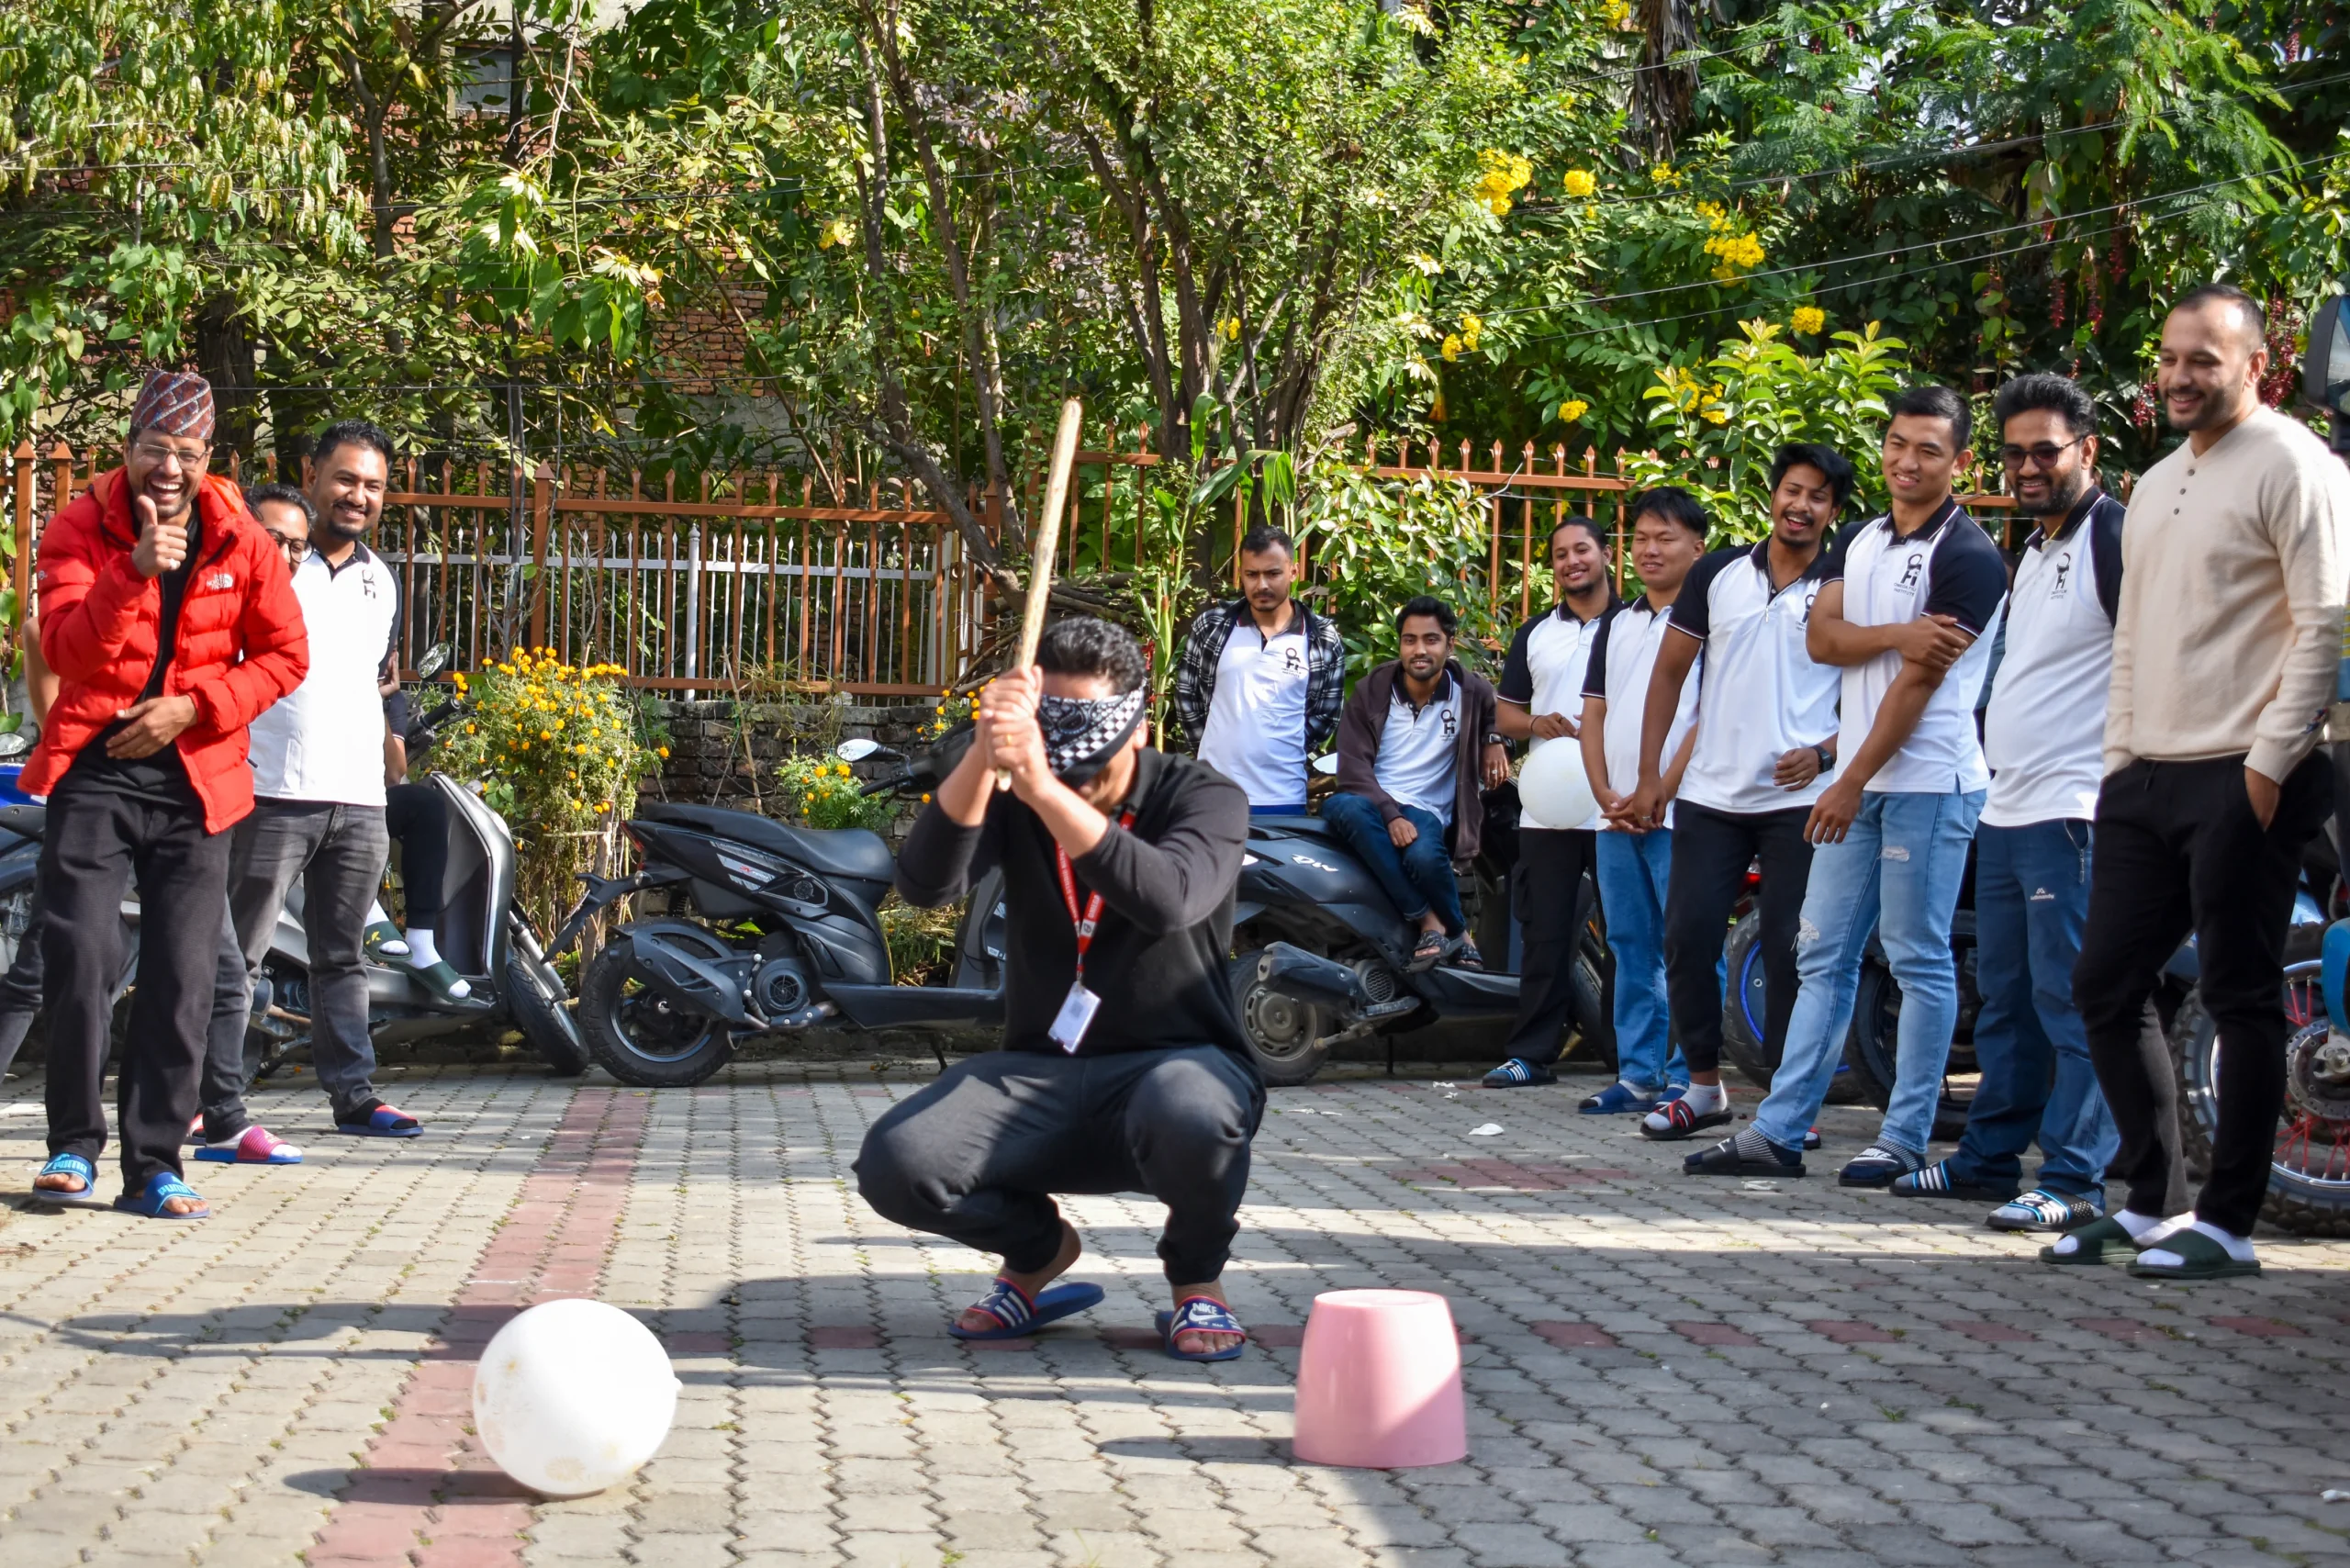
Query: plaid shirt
[[1326, 672]]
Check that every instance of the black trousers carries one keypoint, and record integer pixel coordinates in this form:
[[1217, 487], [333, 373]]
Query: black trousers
[[97, 844], [976, 1155], [2179, 850], [1553, 903], [417, 816], [1711, 851]]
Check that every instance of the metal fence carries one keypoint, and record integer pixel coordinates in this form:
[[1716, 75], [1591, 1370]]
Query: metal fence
[[747, 584]]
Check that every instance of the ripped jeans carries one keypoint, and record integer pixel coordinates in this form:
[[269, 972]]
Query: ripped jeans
[[1897, 871]]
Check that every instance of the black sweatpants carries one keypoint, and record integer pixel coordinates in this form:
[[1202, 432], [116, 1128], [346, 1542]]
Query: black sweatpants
[[2179, 850], [1711, 851], [976, 1155], [1553, 903], [417, 817], [98, 844]]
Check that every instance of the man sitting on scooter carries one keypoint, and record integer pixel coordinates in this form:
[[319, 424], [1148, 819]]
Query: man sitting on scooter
[[1124, 1067], [1416, 751]]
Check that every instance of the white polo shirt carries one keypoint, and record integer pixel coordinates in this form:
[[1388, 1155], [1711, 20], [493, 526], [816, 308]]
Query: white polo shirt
[[2043, 731], [1622, 657], [1544, 674], [1419, 750], [324, 740], [1948, 567], [1255, 730], [1762, 694]]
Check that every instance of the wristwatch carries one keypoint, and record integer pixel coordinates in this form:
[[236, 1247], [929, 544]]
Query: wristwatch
[[1827, 758], [1494, 737]]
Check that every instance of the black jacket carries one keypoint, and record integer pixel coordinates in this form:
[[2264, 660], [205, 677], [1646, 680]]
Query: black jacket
[[1158, 957]]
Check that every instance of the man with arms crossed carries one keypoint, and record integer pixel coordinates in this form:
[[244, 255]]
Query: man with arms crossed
[[1635, 854], [1413, 771], [1259, 686], [2224, 654], [1766, 744], [1908, 599], [319, 770], [2044, 737], [1124, 1067], [1542, 692]]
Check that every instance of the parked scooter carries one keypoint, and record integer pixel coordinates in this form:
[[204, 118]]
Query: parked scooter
[[1324, 955], [771, 928]]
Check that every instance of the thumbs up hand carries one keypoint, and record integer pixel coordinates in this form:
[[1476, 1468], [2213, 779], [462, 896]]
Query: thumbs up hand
[[161, 545]]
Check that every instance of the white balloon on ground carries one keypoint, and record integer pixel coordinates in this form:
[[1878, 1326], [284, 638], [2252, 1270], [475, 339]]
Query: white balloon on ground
[[1554, 787], [573, 1397]]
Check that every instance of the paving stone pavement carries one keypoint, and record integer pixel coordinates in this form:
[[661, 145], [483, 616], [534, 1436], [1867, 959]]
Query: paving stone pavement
[[1659, 1370]]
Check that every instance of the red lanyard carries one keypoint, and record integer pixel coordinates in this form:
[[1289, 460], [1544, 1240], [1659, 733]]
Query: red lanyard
[[1085, 923]]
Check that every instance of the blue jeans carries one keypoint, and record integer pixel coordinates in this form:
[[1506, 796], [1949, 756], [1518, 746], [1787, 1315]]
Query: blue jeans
[[2032, 900], [1281, 811], [1419, 879], [1634, 869], [1898, 870]]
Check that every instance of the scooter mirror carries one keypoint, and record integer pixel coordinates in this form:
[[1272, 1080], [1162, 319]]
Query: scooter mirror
[[1326, 765], [856, 750], [436, 660]]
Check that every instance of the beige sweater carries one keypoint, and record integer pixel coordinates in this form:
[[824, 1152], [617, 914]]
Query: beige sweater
[[2234, 578]]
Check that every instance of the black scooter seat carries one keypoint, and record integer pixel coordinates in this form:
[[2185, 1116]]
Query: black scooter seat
[[849, 852], [1313, 826], [25, 821]]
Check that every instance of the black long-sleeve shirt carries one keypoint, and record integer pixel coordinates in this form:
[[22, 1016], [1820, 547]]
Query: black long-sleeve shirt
[[1159, 955]]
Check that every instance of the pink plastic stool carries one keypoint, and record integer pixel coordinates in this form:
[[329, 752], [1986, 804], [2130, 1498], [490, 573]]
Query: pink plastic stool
[[1379, 1382]]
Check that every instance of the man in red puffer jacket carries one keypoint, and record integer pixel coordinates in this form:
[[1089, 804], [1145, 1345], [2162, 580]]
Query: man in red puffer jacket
[[170, 622]]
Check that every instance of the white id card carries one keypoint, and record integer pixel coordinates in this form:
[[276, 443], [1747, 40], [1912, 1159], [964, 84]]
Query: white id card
[[1075, 1017]]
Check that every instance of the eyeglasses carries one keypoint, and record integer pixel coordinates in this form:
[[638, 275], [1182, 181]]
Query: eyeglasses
[[195, 455], [296, 550], [2045, 454]]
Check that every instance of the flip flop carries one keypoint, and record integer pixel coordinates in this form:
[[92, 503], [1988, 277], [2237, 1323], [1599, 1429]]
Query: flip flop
[[162, 1188], [69, 1165], [441, 979], [1680, 1121], [1017, 1316], [2093, 1245], [2200, 1257], [381, 1121], [1204, 1315], [1723, 1160], [255, 1145]]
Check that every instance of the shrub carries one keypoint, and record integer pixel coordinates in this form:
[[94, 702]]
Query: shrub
[[822, 792], [1374, 543], [556, 749]]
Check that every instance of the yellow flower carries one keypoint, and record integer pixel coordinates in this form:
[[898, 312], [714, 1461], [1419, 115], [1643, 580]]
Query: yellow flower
[[1809, 319], [662, 751], [1451, 348], [1665, 175], [1714, 415], [1578, 184], [1229, 329], [925, 800], [1573, 409], [839, 231], [1472, 329]]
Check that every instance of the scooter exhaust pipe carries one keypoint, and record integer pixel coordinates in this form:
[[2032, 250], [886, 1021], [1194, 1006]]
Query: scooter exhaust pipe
[[1310, 978]]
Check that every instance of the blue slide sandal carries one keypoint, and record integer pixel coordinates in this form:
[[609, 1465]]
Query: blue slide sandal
[[1205, 1314], [70, 1165], [1017, 1316], [162, 1188]]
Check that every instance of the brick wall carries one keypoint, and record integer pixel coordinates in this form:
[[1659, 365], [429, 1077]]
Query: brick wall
[[725, 753]]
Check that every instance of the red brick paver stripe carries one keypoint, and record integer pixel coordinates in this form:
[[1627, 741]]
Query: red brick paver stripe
[[1852, 1333], [1718, 1334], [1575, 1335], [847, 1337], [2261, 1327], [1992, 1333], [2119, 1327], [423, 1476]]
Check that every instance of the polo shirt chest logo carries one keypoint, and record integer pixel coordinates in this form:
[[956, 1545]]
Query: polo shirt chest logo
[[1451, 725], [2062, 582], [1910, 573], [1292, 662]]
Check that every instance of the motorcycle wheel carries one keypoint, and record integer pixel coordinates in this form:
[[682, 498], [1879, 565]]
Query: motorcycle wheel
[[2308, 1179], [637, 1035], [535, 999], [1870, 1049], [1742, 1016], [1284, 1034]]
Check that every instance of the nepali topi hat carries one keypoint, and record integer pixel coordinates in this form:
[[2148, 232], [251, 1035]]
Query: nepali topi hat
[[175, 402]]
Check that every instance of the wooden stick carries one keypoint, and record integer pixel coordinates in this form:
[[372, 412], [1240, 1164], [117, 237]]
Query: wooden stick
[[1047, 540]]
